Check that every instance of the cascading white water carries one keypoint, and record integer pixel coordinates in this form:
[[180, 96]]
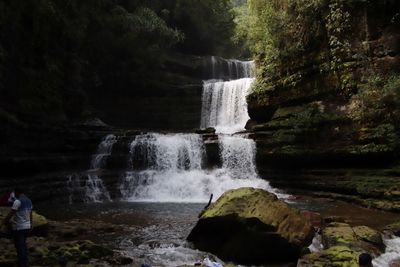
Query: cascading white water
[[231, 68], [95, 191], [238, 163], [103, 151], [167, 168], [238, 156], [392, 252], [164, 168], [167, 152], [224, 105], [88, 186]]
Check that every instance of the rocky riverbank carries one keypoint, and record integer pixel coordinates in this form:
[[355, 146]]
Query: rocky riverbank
[[252, 226], [75, 242]]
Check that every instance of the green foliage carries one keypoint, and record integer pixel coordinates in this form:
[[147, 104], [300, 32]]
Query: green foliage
[[282, 31], [242, 24], [378, 101], [337, 25], [288, 35], [208, 25]]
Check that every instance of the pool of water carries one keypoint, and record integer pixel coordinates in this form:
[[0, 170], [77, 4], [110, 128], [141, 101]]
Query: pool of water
[[156, 232]]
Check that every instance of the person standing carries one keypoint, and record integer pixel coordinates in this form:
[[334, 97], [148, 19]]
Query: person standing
[[21, 215]]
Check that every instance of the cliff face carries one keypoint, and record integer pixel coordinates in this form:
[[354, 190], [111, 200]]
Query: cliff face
[[329, 96], [172, 101], [340, 94]]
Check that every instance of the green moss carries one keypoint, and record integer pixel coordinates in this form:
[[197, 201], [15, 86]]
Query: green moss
[[336, 256], [257, 203]]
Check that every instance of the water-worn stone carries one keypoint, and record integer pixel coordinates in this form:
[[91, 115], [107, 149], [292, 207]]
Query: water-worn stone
[[338, 256], [208, 130], [394, 228], [343, 244], [359, 238], [250, 225]]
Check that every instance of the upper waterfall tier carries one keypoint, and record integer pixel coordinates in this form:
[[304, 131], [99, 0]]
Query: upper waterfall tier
[[229, 69], [224, 105]]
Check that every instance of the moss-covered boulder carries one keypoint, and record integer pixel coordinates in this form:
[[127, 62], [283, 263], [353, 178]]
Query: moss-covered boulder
[[358, 238], [40, 223], [8, 254], [49, 253], [343, 244], [337, 256], [252, 226]]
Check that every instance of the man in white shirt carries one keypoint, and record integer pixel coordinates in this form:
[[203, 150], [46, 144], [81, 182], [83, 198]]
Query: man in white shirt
[[21, 215]]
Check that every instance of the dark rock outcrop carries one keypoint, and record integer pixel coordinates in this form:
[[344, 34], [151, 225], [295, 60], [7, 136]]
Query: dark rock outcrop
[[251, 226]]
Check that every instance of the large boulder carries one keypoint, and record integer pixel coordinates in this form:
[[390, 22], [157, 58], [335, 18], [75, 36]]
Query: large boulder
[[252, 226], [40, 223], [343, 244], [358, 238]]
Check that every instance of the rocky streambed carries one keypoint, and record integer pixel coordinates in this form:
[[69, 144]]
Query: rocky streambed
[[244, 226], [68, 243]]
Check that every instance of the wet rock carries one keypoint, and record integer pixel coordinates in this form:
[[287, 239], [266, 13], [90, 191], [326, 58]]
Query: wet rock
[[8, 254], [251, 226], [395, 263], [359, 238], [338, 256], [343, 244], [209, 130], [394, 228], [44, 252]]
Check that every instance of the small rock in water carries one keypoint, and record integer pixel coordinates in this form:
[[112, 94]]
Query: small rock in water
[[209, 130]]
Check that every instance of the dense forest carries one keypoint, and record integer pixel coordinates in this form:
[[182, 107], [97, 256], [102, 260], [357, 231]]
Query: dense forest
[[55, 54]]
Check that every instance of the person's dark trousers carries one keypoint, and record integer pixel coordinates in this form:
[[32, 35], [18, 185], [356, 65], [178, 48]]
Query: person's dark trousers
[[21, 247]]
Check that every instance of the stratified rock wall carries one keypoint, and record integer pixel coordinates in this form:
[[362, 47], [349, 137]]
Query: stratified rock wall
[[319, 104], [334, 102]]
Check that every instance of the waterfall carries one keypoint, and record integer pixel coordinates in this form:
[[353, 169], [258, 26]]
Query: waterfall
[[95, 191], [165, 168], [224, 105], [168, 168], [238, 156], [89, 186], [167, 152], [230, 69]]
